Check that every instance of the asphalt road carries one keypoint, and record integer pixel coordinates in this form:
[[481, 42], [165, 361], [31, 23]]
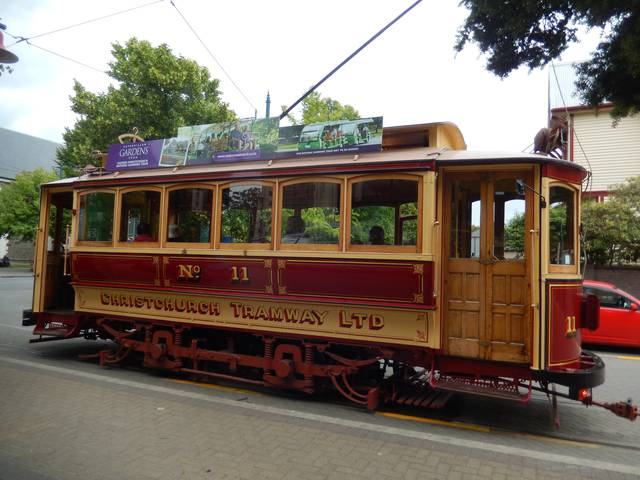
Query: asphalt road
[[470, 438]]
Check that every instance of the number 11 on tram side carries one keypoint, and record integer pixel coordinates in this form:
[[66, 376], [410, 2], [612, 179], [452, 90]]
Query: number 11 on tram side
[[400, 276]]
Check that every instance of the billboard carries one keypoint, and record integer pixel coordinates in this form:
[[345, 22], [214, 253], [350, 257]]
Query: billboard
[[246, 140]]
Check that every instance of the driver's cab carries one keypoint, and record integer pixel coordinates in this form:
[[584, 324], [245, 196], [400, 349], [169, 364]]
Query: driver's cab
[[52, 266]]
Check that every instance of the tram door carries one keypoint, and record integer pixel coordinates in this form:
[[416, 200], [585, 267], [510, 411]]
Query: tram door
[[57, 289], [487, 245]]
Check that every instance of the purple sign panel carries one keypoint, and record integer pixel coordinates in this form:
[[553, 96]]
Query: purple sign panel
[[168, 152], [128, 156]]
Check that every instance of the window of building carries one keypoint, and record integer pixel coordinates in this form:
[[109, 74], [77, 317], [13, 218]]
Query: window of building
[[310, 213], [189, 215], [384, 212], [561, 226], [140, 216], [246, 214], [95, 217]]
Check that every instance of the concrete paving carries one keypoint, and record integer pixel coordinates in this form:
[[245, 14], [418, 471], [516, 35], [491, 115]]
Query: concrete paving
[[58, 423]]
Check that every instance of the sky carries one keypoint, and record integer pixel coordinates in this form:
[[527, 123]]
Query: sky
[[410, 74]]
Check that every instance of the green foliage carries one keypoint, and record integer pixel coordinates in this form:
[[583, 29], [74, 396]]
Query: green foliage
[[156, 92], [5, 69], [514, 234], [316, 109], [20, 202], [322, 224], [612, 228], [532, 33]]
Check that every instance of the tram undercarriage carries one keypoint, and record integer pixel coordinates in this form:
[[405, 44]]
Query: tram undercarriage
[[369, 376]]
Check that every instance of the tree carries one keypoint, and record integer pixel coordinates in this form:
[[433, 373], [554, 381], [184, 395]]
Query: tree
[[612, 228], [5, 69], [21, 205], [532, 33], [157, 92], [316, 109]]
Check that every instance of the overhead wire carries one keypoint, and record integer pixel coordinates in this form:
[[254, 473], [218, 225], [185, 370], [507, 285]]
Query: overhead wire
[[120, 12], [212, 56], [27, 40], [66, 58]]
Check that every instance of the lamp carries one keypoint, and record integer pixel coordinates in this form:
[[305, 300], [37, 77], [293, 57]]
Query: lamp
[[5, 55]]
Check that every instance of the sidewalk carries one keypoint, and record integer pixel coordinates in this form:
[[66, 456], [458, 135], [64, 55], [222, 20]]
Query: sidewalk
[[13, 272]]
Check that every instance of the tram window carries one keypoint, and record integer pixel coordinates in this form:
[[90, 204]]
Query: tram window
[[465, 219], [189, 218], [384, 212], [246, 214], [311, 213], [139, 216], [95, 218], [561, 226], [508, 220]]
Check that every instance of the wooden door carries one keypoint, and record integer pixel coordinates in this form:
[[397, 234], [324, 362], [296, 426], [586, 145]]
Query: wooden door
[[487, 219]]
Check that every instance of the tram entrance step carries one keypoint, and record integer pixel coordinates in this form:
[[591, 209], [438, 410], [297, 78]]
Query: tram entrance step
[[497, 388], [433, 399]]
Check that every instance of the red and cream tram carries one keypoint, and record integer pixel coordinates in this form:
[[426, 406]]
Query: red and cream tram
[[396, 276]]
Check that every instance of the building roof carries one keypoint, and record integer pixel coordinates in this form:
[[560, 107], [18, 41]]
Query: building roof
[[21, 152]]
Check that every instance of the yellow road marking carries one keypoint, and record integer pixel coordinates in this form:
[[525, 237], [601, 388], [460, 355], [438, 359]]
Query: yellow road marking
[[559, 441], [627, 357], [465, 426], [478, 428], [215, 387]]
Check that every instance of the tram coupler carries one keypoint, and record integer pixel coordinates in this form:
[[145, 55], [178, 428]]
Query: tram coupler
[[622, 409]]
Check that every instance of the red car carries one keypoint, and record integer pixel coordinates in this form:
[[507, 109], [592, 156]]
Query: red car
[[619, 316]]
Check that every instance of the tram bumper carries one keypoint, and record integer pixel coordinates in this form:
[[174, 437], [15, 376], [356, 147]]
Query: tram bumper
[[588, 372]]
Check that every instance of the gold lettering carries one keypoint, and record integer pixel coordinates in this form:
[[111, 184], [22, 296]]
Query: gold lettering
[[185, 271], [193, 307], [247, 312], [321, 317], [376, 322], [105, 298], [214, 309], [158, 304], [237, 309], [276, 314], [234, 274], [261, 314], [291, 315], [359, 319], [307, 318], [181, 305], [203, 308], [169, 304], [139, 302], [343, 321]]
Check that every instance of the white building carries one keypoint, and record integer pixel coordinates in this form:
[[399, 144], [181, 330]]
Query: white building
[[611, 151]]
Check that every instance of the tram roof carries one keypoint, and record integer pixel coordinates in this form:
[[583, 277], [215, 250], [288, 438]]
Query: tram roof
[[404, 148]]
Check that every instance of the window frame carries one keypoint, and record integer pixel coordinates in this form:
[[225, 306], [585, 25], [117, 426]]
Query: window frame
[[218, 245], [165, 232], [328, 247], [76, 220], [161, 217], [417, 248], [575, 266]]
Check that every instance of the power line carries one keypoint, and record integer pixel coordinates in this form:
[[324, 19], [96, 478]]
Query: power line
[[212, 56], [66, 58], [26, 39], [380, 32]]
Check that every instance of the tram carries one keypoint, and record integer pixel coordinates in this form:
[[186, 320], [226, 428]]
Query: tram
[[403, 275]]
